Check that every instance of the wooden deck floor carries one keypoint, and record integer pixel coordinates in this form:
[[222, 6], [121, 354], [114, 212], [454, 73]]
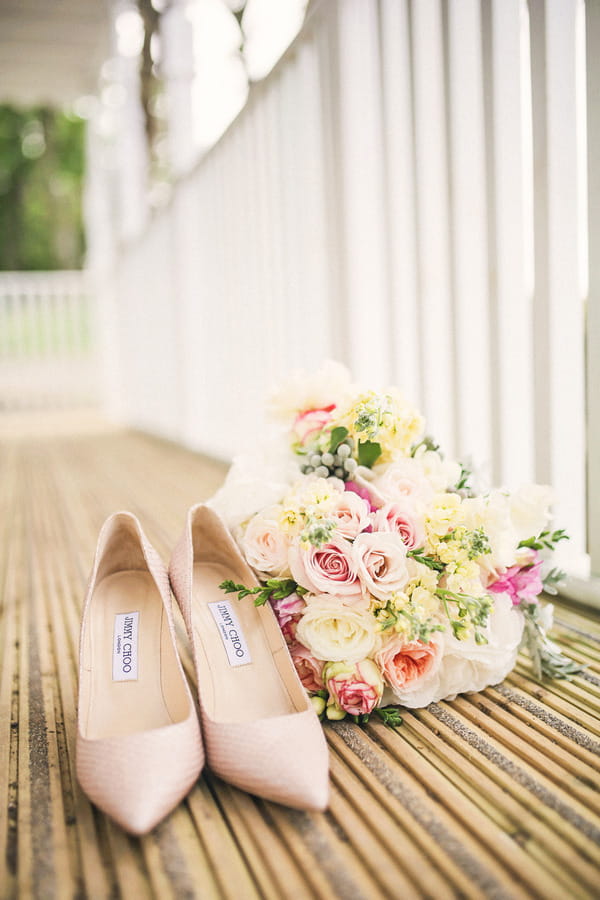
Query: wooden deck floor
[[493, 795]]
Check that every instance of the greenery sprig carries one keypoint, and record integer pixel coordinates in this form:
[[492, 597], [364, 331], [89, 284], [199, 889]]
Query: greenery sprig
[[463, 480], [552, 579], [417, 629], [546, 540], [274, 589], [428, 442], [431, 562], [390, 716], [546, 659], [470, 611]]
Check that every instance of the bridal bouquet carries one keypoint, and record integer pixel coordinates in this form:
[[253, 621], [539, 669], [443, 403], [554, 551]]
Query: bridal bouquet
[[393, 578]]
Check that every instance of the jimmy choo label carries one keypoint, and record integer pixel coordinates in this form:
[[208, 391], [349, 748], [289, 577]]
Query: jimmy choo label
[[231, 633], [125, 647]]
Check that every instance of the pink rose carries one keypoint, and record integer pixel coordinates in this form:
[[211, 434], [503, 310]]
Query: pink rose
[[381, 562], [288, 608], [327, 570], [351, 513], [401, 518], [288, 612], [404, 663], [311, 421], [522, 583], [355, 688], [404, 478], [356, 487], [289, 628], [309, 669]]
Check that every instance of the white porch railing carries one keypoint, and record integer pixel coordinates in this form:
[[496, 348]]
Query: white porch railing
[[47, 355], [406, 192]]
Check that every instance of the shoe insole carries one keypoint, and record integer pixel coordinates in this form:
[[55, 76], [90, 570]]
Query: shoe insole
[[239, 678], [127, 640]]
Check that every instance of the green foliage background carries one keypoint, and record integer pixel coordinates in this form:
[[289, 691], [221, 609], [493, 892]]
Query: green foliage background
[[41, 181]]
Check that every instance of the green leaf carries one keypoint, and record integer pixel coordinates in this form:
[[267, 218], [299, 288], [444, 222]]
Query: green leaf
[[368, 453], [390, 716], [429, 561], [338, 435]]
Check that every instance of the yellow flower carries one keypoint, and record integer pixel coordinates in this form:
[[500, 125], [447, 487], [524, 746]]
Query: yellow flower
[[424, 601], [444, 516], [385, 419]]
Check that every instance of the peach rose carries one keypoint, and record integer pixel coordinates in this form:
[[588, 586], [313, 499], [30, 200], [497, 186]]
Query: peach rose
[[404, 663], [381, 562], [401, 518], [309, 669], [330, 569]]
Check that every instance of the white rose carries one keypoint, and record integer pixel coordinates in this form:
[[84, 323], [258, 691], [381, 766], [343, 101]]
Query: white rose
[[335, 632], [442, 473], [256, 480], [310, 390], [468, 666], [530, 510], [265, 546]]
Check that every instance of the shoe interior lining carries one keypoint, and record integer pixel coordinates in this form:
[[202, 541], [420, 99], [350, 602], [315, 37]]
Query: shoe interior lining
[[157, 696]]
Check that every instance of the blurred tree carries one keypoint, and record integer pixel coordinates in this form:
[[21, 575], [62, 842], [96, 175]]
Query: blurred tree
[[41, 179]]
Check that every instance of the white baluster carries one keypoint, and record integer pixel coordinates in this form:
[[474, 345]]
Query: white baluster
[[177, 48]]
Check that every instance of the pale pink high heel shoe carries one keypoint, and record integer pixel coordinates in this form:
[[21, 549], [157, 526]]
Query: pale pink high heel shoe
[[260, 730], [139, 748]]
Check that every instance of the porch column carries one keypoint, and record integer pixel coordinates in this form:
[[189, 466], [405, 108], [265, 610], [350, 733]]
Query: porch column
[[177, 34]]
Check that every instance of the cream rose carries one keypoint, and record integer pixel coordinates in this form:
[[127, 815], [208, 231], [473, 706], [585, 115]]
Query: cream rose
[[333, 631], [265, 546], [381, 562]]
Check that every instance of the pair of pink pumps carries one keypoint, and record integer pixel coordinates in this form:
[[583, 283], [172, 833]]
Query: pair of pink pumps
[[140, 747]]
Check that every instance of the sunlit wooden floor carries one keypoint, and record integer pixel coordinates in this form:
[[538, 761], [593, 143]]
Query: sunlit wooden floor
[[493, 795]]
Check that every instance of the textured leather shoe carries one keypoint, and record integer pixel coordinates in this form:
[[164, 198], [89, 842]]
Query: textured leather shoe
[[259, 728], [139, 748]]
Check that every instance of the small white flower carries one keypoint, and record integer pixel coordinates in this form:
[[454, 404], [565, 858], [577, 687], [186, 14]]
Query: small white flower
[[530, 510]]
